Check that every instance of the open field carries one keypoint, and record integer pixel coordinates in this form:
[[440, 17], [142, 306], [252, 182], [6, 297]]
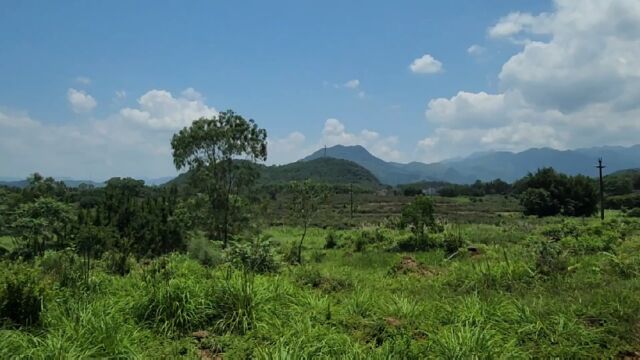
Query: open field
[[502, 295]]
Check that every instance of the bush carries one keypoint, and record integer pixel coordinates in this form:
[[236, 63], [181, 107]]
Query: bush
[[64, 267], [452, 242], [203, 250], [317, 280], [21, 295], [118, 263], [256, 256], [635, 212], [331, 240], [417, 243], [551, 260]]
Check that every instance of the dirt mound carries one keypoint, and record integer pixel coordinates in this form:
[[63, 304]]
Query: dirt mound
[[409, 265]]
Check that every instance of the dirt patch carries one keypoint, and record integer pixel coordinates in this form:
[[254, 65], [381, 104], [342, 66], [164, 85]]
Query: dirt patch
[[199, 335], [391, 321], [409, 265], [629, 355]]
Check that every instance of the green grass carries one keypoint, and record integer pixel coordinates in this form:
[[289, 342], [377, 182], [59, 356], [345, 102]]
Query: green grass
[[7, 243], [342, 303]]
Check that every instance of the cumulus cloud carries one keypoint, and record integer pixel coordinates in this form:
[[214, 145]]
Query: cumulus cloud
[[353, 85], [287, 149], [574, 82], [159, 109], [129, 142], [80, 101], [476, 50], [426, 64], [296, 146], [335, 133]]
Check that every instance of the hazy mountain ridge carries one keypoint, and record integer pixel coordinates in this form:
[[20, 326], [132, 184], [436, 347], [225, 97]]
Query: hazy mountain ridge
[[508, 166]]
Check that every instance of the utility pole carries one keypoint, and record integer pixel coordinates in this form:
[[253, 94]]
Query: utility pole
[[600, 167], [325, 151]]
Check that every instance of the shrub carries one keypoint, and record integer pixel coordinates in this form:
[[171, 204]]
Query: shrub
[[452, 242], [118, 263], [635, 212], [331, 240], [360, 244], [317, 280], [417, 243], [21, 295], [551, 260], [203, 250], [64, 267], [256, 256]]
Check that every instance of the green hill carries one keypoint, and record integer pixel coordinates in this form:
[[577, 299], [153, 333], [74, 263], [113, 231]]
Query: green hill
[[325, 170]]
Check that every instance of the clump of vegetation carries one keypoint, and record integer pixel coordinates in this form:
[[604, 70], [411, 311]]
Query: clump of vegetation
[[551, 259], [203, 250], [21, 295], [548, 193], [317, 280], [634, 213], [236, 303], [255, 255], [331, 240]]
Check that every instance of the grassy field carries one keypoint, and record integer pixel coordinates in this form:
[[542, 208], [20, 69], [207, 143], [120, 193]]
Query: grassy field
[[518, 288]]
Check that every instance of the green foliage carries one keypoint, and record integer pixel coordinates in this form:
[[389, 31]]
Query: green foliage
[[329, 283], [43, 224], [208, 147], [331, 240], [419, 215], [21, 294], [236, 303], [64, 267], [551, 260], [635, 212], [452, 242], [203, 250], [548, 193], [255, 255]]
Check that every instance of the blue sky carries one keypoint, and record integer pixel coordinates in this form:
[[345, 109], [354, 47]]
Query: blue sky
[[103, 85]]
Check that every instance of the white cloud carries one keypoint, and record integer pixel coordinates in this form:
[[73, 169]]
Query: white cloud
[[575, 82], [426, 64], [335, 133], [352, 84], [129, 142], [83, 80], [476, 50], [288, 149], [121, 94], [159, 109], [80, 101]]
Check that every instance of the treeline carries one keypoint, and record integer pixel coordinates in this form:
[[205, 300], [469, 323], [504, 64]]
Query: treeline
[[122, 219]]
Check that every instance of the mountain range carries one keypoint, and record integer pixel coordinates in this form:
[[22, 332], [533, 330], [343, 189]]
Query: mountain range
[[486, 166], [367, 170]]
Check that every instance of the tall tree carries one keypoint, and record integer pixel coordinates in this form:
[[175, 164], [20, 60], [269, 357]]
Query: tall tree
[[218, 151]]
